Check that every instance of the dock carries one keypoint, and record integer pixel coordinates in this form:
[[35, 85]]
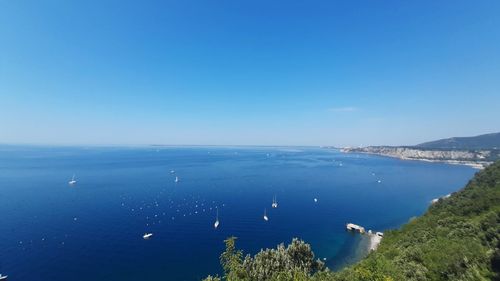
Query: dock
[[355, 227]]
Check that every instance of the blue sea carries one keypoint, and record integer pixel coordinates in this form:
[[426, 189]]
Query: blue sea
[[50, 230]]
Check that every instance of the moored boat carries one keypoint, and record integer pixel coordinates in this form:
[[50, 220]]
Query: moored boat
[[71, 182]]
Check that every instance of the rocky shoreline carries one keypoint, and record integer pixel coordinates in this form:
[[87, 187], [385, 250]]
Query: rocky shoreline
[[475, 158], [374, 241]]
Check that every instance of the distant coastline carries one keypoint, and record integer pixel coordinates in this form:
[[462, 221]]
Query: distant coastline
[[478, 159]]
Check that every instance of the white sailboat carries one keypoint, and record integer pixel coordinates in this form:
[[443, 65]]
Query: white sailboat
[[216, 224], [72, 181], [265, 215], [146, 236], [275, 202]]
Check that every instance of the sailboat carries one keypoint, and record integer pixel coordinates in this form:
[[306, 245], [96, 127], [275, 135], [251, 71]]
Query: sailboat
[[275, 203], [72, 181], [176, 179], [216, 224], [265, 216]]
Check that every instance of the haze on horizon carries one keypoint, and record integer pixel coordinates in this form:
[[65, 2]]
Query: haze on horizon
[[248, 72]]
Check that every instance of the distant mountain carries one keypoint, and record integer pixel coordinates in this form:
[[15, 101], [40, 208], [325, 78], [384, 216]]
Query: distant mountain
[[487, 141]]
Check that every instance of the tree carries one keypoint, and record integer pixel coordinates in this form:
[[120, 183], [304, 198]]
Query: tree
[[231, 261]]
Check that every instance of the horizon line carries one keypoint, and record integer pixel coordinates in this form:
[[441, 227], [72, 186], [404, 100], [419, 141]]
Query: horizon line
[[165, 145]]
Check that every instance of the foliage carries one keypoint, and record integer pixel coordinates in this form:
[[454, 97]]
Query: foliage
[[294, 262]]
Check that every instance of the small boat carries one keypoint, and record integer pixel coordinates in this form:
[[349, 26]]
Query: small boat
[[146, 236], [172, 171], [315, 200], [379, 181], [3, 277], [275, 203], [265, 216], [216, 224], [176, 179], [72, 181]]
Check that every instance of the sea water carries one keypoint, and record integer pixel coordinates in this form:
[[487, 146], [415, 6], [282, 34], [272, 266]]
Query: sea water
[[92, 230]]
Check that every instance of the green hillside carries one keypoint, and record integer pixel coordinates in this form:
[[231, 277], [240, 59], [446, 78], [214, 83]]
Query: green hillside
[[457, 239], [486, 141]]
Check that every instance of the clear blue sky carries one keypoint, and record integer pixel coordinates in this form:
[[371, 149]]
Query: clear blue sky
[[248, 72]]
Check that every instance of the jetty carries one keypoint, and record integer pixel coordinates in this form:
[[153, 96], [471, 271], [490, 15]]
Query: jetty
[[355, 227]]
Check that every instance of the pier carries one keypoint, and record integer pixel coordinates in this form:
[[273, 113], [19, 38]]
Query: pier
[[355, 227]]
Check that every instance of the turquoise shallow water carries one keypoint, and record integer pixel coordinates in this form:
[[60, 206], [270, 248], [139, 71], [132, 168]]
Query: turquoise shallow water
[[52, 231]]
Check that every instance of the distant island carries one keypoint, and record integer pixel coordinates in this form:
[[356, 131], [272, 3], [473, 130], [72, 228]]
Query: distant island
[[478, 151]]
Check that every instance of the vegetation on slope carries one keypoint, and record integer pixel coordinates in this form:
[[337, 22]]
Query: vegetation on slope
[[457, 239], [487, 141]]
